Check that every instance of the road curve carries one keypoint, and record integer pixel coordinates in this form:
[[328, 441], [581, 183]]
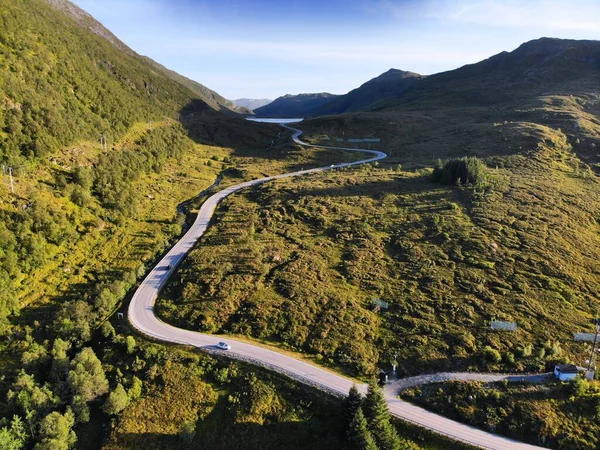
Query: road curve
[[141, 316]]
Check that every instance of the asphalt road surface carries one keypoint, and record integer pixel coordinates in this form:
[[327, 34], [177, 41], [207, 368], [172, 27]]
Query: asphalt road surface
[[142, 317]]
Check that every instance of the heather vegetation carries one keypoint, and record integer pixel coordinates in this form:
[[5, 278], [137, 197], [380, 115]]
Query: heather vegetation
[[553, 415], [353, 268], [318, 251]]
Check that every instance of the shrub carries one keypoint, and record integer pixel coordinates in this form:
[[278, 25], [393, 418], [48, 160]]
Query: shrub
[[130, 344], [492, 355], [188, 431], [117, 401]]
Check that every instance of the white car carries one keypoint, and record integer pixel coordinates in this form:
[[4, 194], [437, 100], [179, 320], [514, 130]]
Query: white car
[[224, 346]]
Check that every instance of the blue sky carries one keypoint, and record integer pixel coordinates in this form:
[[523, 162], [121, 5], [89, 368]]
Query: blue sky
[[268, 48]]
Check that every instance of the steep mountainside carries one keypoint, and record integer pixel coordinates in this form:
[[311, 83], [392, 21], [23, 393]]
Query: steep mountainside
[[389, 84], [208, 96], [252, 103], [301, 105], [62, 86]]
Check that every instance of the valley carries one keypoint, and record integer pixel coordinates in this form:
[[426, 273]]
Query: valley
[[416, 211]]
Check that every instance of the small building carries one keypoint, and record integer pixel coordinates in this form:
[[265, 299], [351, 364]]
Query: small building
[[566, 372]]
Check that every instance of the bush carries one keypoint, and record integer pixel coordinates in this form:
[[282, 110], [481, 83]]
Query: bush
[[492, 355], [188, 431], [130, 344], [117, 401], [579, 387]]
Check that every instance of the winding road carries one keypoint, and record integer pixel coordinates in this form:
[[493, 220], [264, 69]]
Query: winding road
[[141, 316]]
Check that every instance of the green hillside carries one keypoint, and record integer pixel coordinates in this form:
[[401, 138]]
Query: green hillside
[[60, 88], [85, 222], [110, 155]]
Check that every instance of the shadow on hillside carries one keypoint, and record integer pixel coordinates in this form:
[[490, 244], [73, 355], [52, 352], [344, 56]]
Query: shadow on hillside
[[219, 431], [240, 436], [251, 140], [245, 138]]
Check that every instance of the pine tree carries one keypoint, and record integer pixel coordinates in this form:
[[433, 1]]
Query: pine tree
[[13, 438], [378, 418], [358, 436], [351, 403]]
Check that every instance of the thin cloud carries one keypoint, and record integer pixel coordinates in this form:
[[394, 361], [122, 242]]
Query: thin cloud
[[319, 53], [556, 15], [544, 14]]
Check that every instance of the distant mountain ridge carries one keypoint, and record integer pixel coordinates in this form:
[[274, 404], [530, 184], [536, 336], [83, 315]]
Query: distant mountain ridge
[[378, 90], [391, 83], [301, 105], [210, 97], [252, 103], [538, 67]]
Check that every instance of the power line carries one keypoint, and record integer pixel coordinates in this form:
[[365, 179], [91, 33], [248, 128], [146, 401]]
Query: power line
[[12, 183], [103, 142]]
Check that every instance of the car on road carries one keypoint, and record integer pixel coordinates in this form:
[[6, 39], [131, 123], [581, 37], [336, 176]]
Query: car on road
[[223, 346]]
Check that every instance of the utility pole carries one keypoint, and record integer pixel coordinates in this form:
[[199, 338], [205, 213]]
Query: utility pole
[[591, 363], [12, 183]]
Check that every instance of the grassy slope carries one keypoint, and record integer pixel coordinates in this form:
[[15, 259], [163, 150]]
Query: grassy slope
[[556, 415], [232, 405], [447, 260], [74, 86]]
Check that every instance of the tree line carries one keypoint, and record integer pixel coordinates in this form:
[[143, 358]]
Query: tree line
[[367, 422]]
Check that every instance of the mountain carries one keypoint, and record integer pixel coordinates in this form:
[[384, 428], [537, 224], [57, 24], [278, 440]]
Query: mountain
[[62, 83], [380, 89], [539, 67], [252, 103], [208, 96], [389, 84], [301, 105]]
